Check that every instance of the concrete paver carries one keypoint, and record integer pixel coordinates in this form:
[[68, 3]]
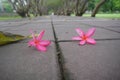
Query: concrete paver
[[89, 62], [76, 18], [103, 23], [106, 24], [113, 28], [19, 62], [66, 32], [92, 62], [25, 30]]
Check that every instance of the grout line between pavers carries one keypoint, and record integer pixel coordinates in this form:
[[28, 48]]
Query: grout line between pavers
[[60, 57], [109, 39]]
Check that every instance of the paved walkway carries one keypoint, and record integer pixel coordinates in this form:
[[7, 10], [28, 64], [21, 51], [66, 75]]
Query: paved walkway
[[65, 59]]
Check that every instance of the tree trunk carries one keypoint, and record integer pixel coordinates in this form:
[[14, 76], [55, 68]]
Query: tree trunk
[[97, 8], [21, 13], [68, 12], [20, 7], [76, 8], [83, 7]]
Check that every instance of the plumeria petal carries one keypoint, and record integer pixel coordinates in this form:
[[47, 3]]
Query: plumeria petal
[[31, 43], [79, 31], [38, 42], [45, 43], [76, 38], [41, 48], [91, 41], [82, 42], [90, 32], [33, 35], [41, 34]]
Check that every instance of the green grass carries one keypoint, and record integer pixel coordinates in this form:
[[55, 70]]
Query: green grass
[[110, 16], [9, 17]]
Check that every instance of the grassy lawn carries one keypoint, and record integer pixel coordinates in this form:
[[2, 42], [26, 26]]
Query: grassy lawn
[[9, 18], [111, 16]]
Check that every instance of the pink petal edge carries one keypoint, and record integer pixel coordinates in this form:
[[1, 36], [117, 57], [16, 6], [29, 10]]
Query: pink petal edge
[[82, 42], [79, 31], [91, 41], [31, 43], [90, 32], [33, 35], [41, 48], [41, 34], [45, 42], [76, 38]]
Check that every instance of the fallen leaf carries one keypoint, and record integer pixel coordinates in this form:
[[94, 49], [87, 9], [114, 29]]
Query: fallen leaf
[[6, 38]]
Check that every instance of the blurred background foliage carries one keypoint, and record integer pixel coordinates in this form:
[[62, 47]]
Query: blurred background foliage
[[28, 8]]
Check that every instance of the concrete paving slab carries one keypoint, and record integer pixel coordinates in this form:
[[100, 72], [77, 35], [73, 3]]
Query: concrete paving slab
[[96, 22], [20, 22], [92, 62], [42, 19], [105, 23], [19, 62], [67, 31], [64, 22], [76, 18], [113, 25], [13, 23], [3, 29], [113, 28], [32, 25]]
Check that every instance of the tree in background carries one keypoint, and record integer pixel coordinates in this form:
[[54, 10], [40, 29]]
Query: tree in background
[[21, 7], [54, 6], [95, 10], [64, 7], [68, 7], [37, 7], [81, 7], [26, 7], [5, 6], [111, 6]]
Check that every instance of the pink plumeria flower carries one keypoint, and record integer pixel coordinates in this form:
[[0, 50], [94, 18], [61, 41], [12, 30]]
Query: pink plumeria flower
[[85, 37], [38, 42]]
